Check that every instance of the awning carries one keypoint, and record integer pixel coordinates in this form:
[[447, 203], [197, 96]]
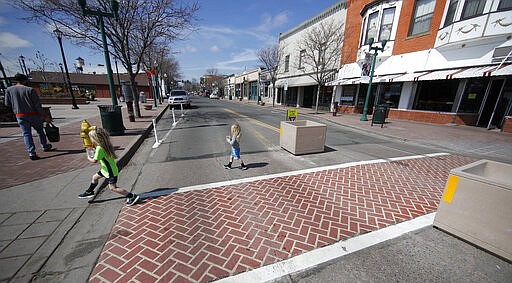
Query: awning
[[472, 72], [409, 77], [386, 78], [438, 75], [335, 82], [350, 81], [504, 70]]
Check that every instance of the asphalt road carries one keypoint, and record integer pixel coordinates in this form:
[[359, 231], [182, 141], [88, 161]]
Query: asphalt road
[[194, 150]]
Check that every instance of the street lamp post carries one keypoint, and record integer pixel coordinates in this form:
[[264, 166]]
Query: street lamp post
[[114, 7], [21, 60], [68, 82], [364, 117]]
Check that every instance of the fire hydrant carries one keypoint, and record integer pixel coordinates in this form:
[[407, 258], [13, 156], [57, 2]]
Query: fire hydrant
[[85, 128]]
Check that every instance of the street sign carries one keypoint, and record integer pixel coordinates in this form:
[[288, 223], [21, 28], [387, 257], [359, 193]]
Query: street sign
[[292, 115], [286, 85]]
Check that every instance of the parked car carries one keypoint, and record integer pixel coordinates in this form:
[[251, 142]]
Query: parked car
[[179, 97], [214, 96]]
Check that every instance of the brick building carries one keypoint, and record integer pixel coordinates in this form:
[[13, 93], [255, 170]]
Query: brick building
[[52, 84], [445, 61]]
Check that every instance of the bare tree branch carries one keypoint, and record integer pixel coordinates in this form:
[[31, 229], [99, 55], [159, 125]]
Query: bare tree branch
[[320, 50], [141, 25], [270, 57]]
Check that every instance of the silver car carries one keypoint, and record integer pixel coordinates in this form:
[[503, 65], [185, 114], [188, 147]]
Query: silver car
[[179, 97]]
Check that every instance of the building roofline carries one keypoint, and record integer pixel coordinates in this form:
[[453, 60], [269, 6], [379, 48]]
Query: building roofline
[[342, 4]]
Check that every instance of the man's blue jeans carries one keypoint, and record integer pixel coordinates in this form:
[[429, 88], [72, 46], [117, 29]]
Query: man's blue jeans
[[26, 123]]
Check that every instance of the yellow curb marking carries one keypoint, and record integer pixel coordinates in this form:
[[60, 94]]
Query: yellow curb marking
[[253, 120], [451, 186]]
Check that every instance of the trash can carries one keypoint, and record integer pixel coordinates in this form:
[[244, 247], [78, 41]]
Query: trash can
[[379, 114], [112, 119]]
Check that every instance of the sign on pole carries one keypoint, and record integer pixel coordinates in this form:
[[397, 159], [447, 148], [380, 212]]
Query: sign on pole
[[292, 115]]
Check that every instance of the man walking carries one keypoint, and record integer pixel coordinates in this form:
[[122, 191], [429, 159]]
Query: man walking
[[25, 103]]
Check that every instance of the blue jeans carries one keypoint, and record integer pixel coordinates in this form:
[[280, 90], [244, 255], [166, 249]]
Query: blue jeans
[[26, 124]]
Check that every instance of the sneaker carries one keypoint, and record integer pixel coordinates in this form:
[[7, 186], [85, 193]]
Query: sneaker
[[227, 166], [86, 195], [243, 167], [48, 147], [133, 200], [34, 157]]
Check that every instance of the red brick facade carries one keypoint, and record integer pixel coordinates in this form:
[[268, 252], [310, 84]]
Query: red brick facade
[[404, 43], [507, 125]]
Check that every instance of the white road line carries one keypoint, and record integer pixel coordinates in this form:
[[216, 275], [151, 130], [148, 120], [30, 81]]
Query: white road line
[[157, 144], [321, 255], [304, 171]]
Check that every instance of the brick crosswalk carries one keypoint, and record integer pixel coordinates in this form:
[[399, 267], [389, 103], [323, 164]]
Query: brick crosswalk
[[203, 235]]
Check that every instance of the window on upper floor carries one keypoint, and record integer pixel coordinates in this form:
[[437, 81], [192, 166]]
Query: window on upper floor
[[472, 8], [371, 28], [450, 14], [505, 5], [379, 22], [287, 63], [386, 24], [302, 56], [422, 17]]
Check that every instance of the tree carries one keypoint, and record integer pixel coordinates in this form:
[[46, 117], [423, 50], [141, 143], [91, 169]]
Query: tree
[[213, 80], [270, 56], [42, 64], [141, 24], [320, 53]]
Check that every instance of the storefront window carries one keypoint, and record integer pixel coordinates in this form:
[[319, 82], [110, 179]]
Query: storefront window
[[436, 95], [473, 96], [362, 96], [348, 95], [390, 94]]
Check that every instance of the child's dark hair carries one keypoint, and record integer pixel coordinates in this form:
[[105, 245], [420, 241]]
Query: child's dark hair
[[101, 137]]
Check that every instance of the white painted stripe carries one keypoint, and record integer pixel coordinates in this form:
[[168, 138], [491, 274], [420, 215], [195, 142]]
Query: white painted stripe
[[335, 251], [305, 171]]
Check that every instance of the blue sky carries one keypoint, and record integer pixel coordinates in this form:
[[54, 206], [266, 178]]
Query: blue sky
[[229, 35]]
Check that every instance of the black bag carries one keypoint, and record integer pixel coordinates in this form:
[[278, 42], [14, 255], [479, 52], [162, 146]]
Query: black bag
[[52, 132]]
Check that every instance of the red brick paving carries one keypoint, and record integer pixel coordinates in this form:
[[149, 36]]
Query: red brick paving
[[202, 235], [18, 169]]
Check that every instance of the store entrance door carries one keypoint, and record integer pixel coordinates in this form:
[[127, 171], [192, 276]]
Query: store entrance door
[[490, 103]]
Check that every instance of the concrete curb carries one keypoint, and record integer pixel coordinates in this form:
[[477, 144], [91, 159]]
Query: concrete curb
[[135, 144]]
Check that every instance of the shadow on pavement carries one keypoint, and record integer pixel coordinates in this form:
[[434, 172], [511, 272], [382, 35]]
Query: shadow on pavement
[[257, 165], [158, 193]]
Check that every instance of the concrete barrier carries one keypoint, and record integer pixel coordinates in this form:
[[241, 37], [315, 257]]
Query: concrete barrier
[[302, 137], [477, 206]]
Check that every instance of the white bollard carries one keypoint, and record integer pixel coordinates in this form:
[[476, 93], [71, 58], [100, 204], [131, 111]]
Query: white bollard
[[173, 117], [157, 141], [181, 110]]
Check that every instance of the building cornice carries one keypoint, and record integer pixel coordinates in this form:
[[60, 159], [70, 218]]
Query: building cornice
[[342, 4]]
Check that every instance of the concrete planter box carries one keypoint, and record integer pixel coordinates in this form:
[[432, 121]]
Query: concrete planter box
[[302, 137], [477, 206]]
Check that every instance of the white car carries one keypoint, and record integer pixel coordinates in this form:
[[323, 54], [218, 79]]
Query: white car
[[179, 97], [214, 96]]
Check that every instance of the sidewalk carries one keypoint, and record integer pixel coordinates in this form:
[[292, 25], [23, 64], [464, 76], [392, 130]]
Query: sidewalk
[[15, 158], [195, 235], [38, 199]]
